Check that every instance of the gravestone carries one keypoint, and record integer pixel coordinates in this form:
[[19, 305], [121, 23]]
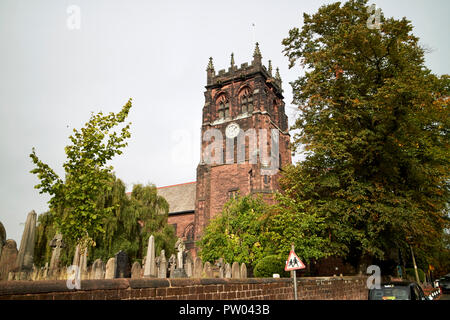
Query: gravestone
[[243, 271], [24, 260], [8, 258], [57, 244], [110, 268], [80, 260], [150, 263], [2, 237], [172, 265], [189, 265], [122, 266], [34, 273], [227, 271], [45, 275], [198, 267], [235, 271], [162, 268], [220, 268], [179, 245], [179, 271], [136, 270], [207, 270], [98, 270], [76, 256]]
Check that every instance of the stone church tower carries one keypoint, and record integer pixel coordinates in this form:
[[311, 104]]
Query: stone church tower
[[245, 139]]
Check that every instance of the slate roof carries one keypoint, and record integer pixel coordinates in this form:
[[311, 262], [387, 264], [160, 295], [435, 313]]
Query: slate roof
[[181, 197]]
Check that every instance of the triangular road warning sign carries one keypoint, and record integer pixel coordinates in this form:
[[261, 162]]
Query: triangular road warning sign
[[293, 263]]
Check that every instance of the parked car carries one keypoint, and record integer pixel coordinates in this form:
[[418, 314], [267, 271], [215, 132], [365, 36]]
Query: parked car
[[398, 290], [444, 284]]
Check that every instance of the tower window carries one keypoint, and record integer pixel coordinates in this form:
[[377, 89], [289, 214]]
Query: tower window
[[224, 110], [246, 101], [223, 107], [233, 194]]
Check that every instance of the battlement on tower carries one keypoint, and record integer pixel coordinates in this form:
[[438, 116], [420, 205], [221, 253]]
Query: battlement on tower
[[243, 72]]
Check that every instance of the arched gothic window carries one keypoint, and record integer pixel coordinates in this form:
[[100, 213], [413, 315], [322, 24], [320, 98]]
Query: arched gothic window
[[188, 233], [223, 107], [246, 101]]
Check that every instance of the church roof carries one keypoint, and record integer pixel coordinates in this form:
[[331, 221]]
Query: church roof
[[181, 197]]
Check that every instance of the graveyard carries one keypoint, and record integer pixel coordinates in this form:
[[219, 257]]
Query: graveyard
[[178, 277]]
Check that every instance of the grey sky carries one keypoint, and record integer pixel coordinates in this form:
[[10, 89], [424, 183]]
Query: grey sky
[[51, 77]]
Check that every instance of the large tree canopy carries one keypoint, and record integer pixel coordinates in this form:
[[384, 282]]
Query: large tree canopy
[[373, 122]]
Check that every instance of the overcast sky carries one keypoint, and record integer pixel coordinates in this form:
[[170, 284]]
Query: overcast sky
[[52, 77]]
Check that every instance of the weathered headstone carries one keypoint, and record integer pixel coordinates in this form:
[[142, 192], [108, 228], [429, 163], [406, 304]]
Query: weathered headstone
[[34, 273], [122, 265], [98, 270], [45, 275], [150, 264], [136, 270], [198, 267], [162, 268], [57, 244], [179, 245], [189, 265], [207, 270], [24, 261], [243, 271], [172, 265], [110, 268], [227, 271], [235, 271], [2, 237], [76, 256], [83, 265], [220, 268], [179, 271], [80, 260], [8, 259]]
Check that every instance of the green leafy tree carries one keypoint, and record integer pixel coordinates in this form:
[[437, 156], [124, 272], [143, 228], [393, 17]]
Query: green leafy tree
[[87, 176], [133, 219], [293, 222], [150, 213], [373, 122], [239, 233]]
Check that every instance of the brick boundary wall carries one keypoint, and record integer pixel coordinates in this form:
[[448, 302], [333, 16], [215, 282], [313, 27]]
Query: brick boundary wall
[[345, 288]]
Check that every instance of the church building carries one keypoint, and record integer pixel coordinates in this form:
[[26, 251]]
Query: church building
[[244, 118]]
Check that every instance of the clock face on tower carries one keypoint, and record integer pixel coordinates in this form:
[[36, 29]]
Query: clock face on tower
[[232, 131]]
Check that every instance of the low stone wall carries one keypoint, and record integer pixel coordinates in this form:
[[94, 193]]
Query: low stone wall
[[346, 288]]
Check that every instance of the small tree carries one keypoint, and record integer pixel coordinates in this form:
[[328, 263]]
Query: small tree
[[238, 234], [74, 202]]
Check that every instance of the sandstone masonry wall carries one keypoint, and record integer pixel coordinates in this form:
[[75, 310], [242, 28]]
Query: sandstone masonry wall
[[345, 288]]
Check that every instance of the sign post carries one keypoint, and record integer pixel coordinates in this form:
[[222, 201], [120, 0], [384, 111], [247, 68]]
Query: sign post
[[293, 264]]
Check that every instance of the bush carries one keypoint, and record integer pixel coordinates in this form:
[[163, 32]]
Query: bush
[[410, 273], [269, 265]]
